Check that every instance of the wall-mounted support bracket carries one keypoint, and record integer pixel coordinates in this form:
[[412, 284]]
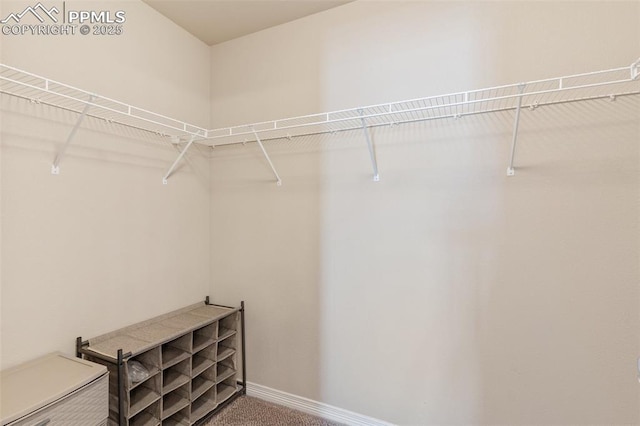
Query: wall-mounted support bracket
[[510, 169], [264, 151], [55, 167], [165, 179], [372, 153], [635, 69]]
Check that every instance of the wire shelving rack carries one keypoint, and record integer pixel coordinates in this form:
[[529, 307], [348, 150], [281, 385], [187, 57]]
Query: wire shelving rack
[[611, 83]]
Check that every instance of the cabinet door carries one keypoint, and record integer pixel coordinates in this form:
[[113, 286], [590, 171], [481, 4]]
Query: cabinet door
[[87, 406]]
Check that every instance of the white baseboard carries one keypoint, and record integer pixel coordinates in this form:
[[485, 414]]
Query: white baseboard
[[312, 407]]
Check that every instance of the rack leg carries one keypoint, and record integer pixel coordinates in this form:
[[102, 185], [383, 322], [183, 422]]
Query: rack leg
[[121, 390], [78, 347], [244, 352]]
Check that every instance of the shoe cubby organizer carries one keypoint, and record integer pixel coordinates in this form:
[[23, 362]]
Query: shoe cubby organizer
[[175, 369]]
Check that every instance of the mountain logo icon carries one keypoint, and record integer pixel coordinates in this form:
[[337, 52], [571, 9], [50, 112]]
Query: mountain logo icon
[[38, 11]]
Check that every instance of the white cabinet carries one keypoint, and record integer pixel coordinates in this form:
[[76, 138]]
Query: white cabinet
[[54, 390]]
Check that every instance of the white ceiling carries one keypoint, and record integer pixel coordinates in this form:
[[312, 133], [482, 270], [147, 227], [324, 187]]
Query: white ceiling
[[215, 21]]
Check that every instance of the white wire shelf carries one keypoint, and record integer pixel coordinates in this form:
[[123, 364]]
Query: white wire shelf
[[600, 84], [610, 83], [41, 90], [586, 86]]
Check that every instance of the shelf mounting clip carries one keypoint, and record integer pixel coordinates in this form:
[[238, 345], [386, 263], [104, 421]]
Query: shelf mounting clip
[[165, 179], [372, 152], [510, 170], [55, 167], [635, 69], [264, 152]]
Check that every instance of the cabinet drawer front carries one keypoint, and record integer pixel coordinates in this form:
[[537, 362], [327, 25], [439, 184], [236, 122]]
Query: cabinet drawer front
[[87, 406]]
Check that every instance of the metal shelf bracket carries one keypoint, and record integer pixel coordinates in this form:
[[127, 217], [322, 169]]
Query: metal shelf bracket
[[372, 153], [165, 179], [264, 151], [510, 169], [55, 167], [635, 69]]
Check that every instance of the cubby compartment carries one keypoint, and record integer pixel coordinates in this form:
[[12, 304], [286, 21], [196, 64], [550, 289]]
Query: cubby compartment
[[175, 401], [150, 360], [204, 336], [203, 405], [150, 416], [176, 350], [227, 326], [175, 376], [226, 347], [225, 369], [203, 382], [203, 359], [179, 418], [143, 396], [225, 389]]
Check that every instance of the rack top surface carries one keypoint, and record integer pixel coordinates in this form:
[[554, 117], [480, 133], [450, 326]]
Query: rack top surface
[[34, 384], [145, 335]]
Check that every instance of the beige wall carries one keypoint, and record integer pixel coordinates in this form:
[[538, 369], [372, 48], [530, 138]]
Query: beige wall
[[104, 244], [446, 293]]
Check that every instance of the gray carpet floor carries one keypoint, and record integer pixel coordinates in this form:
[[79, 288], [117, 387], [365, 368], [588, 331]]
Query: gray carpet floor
[[249, 411]]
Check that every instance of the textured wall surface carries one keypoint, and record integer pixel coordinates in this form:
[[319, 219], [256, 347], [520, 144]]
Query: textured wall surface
[[104, 244], [446, 293]]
